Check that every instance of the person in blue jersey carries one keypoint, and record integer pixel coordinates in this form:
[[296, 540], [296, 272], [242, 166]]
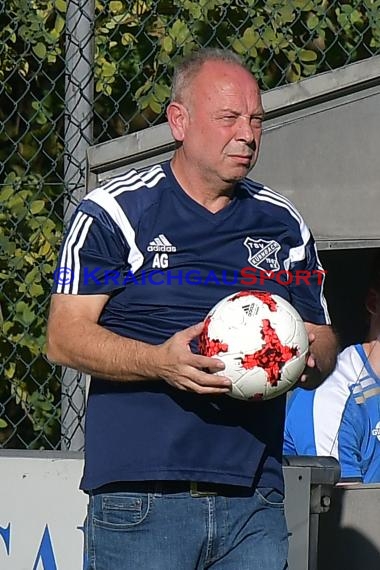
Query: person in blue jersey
[[179, 474], [341, 418]]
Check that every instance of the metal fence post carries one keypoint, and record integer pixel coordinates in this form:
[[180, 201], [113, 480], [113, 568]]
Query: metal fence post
[[80, 19]]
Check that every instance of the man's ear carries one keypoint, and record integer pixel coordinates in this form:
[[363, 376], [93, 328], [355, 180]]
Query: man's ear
[[178, 119], [371, 302]]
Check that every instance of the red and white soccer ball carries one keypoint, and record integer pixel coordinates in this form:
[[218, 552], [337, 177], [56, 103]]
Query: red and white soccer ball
[[262, 341]]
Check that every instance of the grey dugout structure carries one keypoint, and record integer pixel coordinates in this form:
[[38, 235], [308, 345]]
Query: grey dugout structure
[[320, 149]]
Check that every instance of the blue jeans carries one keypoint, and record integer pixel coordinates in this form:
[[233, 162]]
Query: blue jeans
[[176, 531]]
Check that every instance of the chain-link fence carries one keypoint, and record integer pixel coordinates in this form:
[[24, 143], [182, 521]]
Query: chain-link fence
[[78, 72]]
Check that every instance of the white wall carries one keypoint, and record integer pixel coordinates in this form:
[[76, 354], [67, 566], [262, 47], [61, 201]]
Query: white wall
[[42, 512]]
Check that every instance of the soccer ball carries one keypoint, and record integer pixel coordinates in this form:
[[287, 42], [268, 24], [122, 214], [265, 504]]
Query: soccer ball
[[262, 341]]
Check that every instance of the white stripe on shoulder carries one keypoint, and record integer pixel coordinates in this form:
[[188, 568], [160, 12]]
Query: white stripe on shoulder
[[151, 172], [281, 198], [132, 180], [80, 224], [138, 184], [113, 209], [125, 177], [295, 253], [251, 185], [263, 190], [275, 198]]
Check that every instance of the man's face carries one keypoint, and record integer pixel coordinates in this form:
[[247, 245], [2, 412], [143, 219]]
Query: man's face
[[222, 131]]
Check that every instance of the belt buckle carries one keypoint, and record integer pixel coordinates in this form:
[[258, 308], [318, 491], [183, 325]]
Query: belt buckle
[[195, 492]]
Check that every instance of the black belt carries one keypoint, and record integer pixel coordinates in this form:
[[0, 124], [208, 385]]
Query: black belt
[[194, 488]]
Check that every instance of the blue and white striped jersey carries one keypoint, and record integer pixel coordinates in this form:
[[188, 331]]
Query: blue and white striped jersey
[[341, 418], [165, 260]]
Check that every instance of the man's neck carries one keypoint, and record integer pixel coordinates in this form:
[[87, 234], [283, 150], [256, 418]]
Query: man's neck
[[372, 350], [212, 195]]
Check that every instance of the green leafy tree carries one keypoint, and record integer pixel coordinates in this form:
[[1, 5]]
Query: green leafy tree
[[31, 115], [139, 43]]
